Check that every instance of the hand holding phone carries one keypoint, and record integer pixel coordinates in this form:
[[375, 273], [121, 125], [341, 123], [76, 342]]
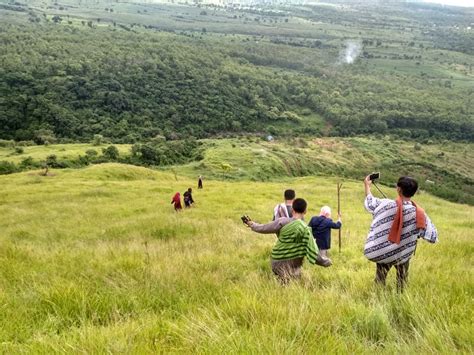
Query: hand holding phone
[[374, 176]]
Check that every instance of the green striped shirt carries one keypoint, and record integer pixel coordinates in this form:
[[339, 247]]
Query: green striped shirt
[[295, 240]]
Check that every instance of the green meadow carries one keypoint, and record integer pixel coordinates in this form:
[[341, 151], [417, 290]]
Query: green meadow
[[62, 151], [445, 169], [96, 261]]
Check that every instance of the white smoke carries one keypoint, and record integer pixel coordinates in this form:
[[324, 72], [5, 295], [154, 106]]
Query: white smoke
[[350, 52]]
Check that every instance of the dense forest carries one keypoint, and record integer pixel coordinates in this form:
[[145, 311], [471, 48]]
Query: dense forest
[[62, 78]]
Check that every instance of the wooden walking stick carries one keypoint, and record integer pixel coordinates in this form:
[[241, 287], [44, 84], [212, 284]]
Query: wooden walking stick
[[339, 186]]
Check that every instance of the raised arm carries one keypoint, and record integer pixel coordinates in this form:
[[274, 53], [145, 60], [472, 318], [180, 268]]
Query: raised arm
[[272, 227], [371, 202]]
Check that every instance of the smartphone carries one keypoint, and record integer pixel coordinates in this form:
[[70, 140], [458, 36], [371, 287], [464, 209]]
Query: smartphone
[[374, 176]]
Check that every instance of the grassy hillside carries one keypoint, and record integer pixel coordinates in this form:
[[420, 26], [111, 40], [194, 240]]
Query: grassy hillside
[[96, 260], [62, 151], [443, 169]]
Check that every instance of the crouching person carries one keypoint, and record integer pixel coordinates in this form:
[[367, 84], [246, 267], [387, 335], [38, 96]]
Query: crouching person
[[295, 242], [395, 229]]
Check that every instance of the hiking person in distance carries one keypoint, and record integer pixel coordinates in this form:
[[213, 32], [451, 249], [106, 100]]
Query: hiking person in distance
[[285, 209], [176, 200], [188, 198]]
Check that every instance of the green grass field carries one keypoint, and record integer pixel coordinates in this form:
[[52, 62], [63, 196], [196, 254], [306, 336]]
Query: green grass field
[[445, 169], [62, 151], [363, 153], [96, 261]]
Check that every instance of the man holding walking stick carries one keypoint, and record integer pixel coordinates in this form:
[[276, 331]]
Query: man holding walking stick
[[321, 227]]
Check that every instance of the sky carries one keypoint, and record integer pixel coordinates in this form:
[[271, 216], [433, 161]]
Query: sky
[[453, 2]]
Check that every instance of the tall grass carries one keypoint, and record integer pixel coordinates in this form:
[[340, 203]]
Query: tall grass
[[96, 260]]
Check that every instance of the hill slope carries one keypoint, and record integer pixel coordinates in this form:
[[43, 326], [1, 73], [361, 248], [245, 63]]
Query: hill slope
[[76, 69], [96, 260], [446, 170]]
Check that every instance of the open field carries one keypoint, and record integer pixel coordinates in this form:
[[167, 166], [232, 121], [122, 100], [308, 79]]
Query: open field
[[95, 260], [249, 155], [62, 151], [445, 169]]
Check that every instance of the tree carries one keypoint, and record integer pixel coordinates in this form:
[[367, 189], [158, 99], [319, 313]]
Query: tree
[[110, 153], [44, 136], [52, 160], [97, 140]]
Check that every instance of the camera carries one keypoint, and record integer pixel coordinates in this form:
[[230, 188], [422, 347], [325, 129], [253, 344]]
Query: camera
[[374, 176], [245, 219]]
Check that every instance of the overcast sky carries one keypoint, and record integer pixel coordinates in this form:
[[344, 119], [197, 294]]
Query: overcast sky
[[453, 2]]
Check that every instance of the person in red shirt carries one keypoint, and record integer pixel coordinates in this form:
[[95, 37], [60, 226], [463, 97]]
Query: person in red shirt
[[177, 202]]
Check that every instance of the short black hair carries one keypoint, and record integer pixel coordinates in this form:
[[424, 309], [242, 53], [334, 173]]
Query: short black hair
[[289, 194], [299, 205], [408, 186]]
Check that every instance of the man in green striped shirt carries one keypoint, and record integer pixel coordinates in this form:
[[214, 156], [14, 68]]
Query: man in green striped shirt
[[295, 241]]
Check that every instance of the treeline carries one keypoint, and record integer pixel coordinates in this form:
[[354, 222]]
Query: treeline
[[153, 153], [75, 82]]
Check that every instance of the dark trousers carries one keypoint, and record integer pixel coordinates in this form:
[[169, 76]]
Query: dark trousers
[[402, 274], [285, 270]]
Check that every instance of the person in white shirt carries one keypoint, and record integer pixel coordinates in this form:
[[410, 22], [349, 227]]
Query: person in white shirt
[[285, 209]]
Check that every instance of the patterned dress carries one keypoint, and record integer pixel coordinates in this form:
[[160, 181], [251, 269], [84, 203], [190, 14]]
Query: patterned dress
[[377, 246]]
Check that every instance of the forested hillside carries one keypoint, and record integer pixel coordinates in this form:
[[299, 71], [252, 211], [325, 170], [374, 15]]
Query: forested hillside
[[67, 76]]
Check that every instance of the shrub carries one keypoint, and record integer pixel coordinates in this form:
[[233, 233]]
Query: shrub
[[97, 140], [19, 150], [111, 153], [25, 143], [6, 144], [7, 167], [158, 139], [45, 136], [28, 163], [91, 153], [166, 153]]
